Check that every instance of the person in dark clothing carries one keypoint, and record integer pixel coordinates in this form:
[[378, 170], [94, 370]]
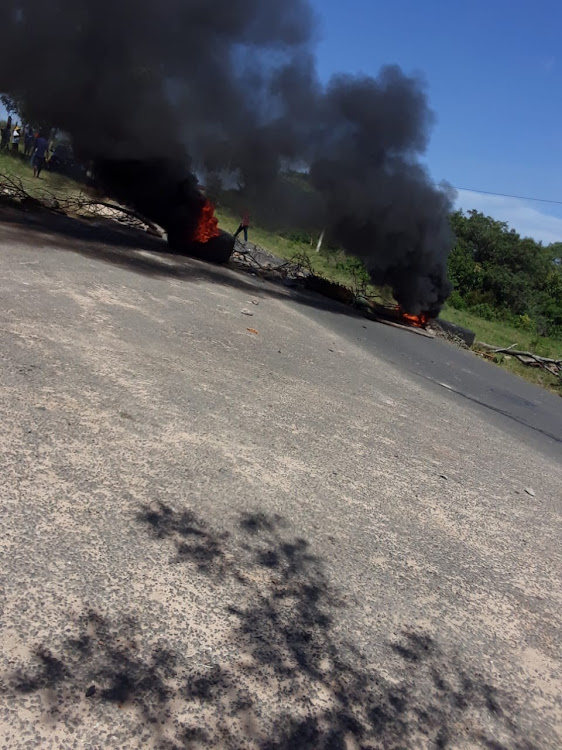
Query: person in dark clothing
[[28, 139], [244, 224], [6, 134], [39, 155]]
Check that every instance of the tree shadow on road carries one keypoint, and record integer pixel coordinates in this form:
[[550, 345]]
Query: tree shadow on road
[[293, 679]]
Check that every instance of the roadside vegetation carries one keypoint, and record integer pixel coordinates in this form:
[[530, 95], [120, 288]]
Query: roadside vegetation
[[501, 334], [18, 166], [332, 264], [504, 278], [508, 289]]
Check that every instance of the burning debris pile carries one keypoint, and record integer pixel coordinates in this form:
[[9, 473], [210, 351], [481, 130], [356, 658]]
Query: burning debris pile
[[418, 321], [159, 95]]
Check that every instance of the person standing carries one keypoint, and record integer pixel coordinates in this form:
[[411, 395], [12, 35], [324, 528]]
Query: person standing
[[16, 139], [28, 138], [39, 155], [244, 225], [6, 134]]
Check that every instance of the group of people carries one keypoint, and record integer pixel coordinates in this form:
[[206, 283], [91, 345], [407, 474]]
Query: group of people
[[35, 144]]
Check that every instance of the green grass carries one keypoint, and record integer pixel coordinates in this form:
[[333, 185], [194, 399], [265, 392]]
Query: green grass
[[333, 265], [19, 167], [501, 334]]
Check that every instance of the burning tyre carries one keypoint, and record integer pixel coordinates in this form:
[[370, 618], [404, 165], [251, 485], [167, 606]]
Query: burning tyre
[[217, 249], [207, 242]]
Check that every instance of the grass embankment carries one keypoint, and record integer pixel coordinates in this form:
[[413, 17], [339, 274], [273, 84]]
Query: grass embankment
[[335, 266], [501, 334], [19, 167]]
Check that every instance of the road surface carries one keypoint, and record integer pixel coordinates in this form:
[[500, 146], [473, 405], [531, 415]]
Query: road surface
[[318, 533]]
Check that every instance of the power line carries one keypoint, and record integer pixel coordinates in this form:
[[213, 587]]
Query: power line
[[507, 195]]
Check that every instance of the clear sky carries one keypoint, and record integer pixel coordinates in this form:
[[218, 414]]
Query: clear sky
[[494, 80]]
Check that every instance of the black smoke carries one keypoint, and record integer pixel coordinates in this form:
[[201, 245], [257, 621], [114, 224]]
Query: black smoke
[[154, 92]]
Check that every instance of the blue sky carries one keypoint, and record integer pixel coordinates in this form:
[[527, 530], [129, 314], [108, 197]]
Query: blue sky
[[494, 80]]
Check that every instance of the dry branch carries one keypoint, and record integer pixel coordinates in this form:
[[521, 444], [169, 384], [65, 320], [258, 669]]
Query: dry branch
[[13, 188], [553, 366]]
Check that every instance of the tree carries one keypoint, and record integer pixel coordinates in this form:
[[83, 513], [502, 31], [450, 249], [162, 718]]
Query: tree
[[498, 273]]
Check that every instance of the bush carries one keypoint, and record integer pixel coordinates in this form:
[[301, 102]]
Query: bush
[[456, 301], [484, 310], [479, 297], [525, 323]]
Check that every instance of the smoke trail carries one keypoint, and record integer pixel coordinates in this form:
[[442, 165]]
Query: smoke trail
[[153, 92]]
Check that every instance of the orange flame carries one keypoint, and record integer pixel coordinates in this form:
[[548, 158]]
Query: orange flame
[[419, 321], [208, 226]]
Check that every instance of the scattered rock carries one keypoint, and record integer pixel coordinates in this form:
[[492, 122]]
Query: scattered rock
[[443, 476], [90, 691], [255, 302], [463, 337], [247, 312], [530, 491]]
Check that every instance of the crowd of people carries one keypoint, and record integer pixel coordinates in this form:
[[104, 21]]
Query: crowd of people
[[35, 143]]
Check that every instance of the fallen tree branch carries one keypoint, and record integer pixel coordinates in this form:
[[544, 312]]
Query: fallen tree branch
[[88, 203], [13, 188], [553, 366]]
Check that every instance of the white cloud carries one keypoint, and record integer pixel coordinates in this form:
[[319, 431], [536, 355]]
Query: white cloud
[[521, 215]]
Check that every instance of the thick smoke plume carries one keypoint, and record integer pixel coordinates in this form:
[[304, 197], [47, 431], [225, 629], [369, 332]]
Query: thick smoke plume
[[155, 92]]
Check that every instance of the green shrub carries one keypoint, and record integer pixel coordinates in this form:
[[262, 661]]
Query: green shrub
[[456, 301], [525, 323], [484, 310]]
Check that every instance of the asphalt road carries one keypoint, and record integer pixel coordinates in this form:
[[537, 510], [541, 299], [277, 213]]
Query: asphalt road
[[523, 410], [318, 533]]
